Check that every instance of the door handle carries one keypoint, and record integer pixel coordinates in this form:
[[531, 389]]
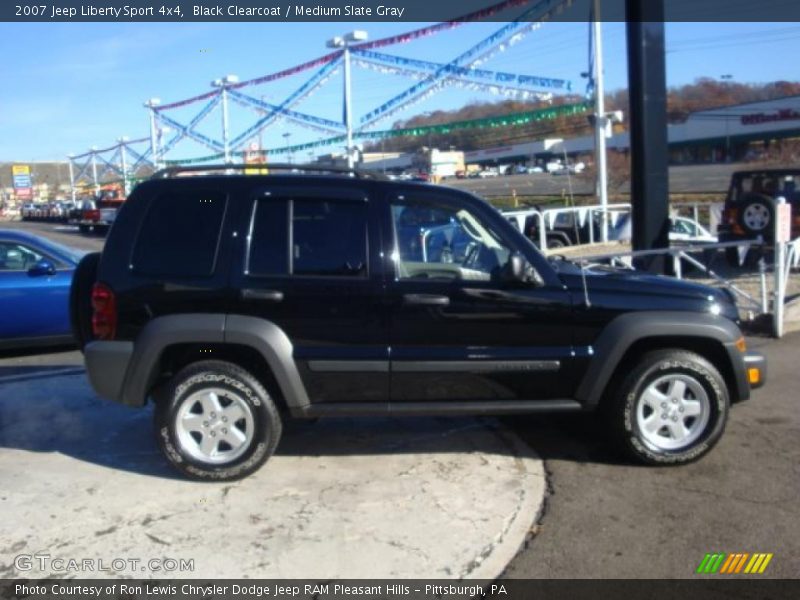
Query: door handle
[[267, 295], [425, 300]]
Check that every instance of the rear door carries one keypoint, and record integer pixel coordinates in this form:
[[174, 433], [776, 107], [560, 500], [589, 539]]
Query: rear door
[[311, 264], [459, 333]]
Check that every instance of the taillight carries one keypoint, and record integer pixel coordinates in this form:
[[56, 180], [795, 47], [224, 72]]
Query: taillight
[[729, 215], [104, 312]]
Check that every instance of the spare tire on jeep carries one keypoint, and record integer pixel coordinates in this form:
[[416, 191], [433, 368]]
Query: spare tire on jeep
[[757, 215]]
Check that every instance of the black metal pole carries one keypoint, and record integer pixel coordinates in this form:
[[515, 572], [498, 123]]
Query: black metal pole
[[647, 89]]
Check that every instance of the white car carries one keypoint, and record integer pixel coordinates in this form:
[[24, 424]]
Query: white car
[[486, 174], [681, 229]]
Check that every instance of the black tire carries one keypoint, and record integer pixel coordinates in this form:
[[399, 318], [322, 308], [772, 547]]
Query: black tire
[[84, 229], [662, 365], [757, 215], [553, 243], [245, 391], [80, 299]]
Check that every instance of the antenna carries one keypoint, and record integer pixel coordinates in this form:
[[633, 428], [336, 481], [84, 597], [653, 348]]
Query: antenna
[[585, 264]]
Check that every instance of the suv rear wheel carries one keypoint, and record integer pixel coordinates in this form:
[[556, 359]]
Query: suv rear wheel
[[215, 421], [671, 408]]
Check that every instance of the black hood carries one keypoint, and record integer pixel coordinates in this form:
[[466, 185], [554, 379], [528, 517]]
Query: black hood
[[641, 290]]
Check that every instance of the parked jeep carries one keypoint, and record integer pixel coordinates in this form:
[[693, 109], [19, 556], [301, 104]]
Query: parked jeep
[[234, 302], [749, 210]]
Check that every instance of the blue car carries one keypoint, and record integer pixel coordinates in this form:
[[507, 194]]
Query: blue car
[[35, 279]]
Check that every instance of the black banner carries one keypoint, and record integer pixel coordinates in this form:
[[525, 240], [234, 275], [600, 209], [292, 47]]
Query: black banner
[[702, 588], [380, 10]]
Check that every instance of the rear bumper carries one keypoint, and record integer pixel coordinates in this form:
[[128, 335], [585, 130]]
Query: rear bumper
[[755, 365], [106, 365]]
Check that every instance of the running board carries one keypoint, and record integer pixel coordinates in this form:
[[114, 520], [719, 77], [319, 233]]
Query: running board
[[492, 407]]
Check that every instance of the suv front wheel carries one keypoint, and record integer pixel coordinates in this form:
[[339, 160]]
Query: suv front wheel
[[215, 421], [671, 408]]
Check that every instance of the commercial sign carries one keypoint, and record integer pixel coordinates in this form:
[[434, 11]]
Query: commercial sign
[[785, 114], [23, 186]]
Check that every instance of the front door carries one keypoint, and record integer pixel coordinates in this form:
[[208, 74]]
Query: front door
[[311, 268], [34, 305], [460, 331]]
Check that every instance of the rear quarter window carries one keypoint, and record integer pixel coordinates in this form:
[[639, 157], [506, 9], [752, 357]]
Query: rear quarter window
[[180, 234]]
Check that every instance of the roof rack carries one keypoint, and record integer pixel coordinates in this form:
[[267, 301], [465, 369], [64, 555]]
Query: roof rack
[[178, 170]]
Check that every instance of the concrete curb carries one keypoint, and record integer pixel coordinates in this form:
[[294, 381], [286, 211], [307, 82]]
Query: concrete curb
[[375, 498]]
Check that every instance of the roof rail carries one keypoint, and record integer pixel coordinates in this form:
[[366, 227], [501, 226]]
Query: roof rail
[[178, 170]]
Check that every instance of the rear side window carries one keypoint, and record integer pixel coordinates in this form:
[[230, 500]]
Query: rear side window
[[180, 234], [327, 238]]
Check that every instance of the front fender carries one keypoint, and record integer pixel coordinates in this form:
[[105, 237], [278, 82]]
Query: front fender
[[627, 329]]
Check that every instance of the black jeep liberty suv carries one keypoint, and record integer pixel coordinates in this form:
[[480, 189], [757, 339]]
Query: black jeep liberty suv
[[235, 301]]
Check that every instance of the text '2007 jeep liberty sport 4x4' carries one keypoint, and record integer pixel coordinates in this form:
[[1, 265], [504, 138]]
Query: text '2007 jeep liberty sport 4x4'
[[234, 301]]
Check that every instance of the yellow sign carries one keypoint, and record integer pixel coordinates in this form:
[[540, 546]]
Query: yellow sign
[[20, 170], [254, 157]]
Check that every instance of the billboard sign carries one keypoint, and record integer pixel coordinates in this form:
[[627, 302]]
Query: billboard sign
[[23, 185]]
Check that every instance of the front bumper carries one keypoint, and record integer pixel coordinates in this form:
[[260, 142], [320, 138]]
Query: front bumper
[[106, 365], [755, 365]]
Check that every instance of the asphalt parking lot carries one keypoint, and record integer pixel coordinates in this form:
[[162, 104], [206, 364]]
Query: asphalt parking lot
[[601, 517]]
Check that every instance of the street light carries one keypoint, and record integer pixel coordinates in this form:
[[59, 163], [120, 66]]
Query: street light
[[344, 43], [224, 83], [727, 77]]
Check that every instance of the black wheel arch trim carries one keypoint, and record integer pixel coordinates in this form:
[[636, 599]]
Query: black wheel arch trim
[[627, 329], [161, 333]]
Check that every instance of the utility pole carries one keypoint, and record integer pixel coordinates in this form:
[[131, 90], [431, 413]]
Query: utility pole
[[648, 128], [600, 122], [71, 176], [344, 43], [124, 164], [94, 171]]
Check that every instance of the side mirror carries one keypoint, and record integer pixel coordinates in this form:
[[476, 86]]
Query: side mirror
[[42, 267], [519, 271], [514, 270]]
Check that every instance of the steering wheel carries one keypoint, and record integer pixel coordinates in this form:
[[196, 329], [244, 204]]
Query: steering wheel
[[472, 256]]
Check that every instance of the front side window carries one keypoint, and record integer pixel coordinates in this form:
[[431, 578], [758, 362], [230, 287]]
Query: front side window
[[445, 243], [180, 234], [327, 238]]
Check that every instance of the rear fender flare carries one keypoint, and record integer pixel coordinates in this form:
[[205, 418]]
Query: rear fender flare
[[265, 337]]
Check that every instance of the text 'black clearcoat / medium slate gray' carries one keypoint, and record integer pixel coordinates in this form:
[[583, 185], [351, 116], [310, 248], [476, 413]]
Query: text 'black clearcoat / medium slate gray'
[[236, 301]]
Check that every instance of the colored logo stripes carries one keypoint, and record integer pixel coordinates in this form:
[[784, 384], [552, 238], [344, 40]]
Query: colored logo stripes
[[738, 562]]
